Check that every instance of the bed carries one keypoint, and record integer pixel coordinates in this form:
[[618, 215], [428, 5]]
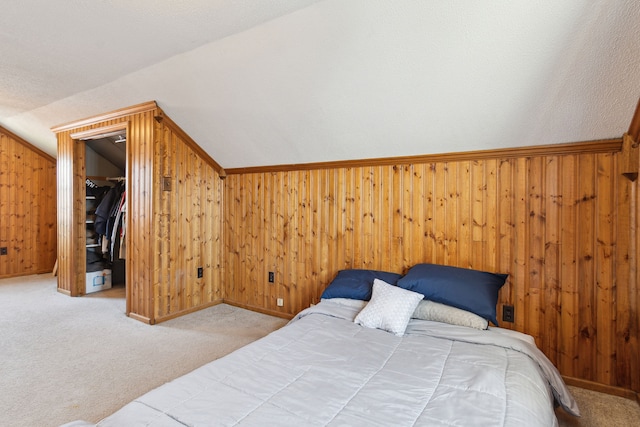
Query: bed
[[327, 367]]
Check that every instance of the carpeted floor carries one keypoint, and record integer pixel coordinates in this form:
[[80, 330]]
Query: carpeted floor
[[63, 358], [601, 410]]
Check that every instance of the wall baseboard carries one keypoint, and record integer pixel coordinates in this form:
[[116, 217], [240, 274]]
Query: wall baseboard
[[187, 311], [258, 309], [602, 388]]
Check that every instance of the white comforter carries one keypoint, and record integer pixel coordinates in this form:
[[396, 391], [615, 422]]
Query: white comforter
[[322, 369]]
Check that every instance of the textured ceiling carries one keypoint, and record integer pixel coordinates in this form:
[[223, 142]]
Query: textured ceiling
[[291, 81]]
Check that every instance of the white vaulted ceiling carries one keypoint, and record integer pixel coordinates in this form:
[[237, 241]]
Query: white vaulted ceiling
[[295, 81]]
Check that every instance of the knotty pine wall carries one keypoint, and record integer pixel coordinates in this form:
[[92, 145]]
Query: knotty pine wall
[[562, 225], [27, 207], [188, 226], [169, 234]]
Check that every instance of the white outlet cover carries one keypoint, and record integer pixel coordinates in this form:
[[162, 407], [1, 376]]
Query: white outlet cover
[[280, 302]]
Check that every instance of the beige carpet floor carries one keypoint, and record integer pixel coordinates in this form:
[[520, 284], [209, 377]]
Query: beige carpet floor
[[63, 358]]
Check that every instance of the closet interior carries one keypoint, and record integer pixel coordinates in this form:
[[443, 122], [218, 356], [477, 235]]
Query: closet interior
[[105, 166]]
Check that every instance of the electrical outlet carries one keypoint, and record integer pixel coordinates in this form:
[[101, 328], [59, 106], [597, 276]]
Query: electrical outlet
[[508, 313], [280, 302], [3, 250], [272, 277], [200, 272]]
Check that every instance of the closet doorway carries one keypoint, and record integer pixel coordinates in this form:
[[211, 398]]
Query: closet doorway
[[106, 207]]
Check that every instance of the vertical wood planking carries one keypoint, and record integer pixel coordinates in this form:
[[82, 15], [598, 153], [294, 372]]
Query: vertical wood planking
[[477, 223], [505, 226], [418, 232], [5, 201], [491, 216], [158, 254], [535, 260], [440, 215], [189, 226], [555, 223], [633, 338], [624, 280], [604, 269], [568, 337], [27, 207], [519, 244], [457, 213], [429, 213], [586, 211], [551, 284]]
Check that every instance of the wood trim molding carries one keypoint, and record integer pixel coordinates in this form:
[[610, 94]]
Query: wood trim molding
[[259, 309], [140, 318], [135, 109], [187, 311], [630, 159], [162, 118], [88, 134], [39, 271], [601, 388], [26, 144], [64, 292], [634, 127], [600, 146]]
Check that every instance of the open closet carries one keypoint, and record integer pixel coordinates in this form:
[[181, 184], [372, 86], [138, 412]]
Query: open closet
[[172, 222], [106, 207]]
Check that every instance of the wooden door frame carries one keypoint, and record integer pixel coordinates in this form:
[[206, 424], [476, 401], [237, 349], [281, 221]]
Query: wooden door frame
[[95, 134]]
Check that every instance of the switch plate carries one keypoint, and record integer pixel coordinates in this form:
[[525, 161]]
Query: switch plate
[[3, 250], [166, 183], [200, 272], [272, 277], [508, 313]]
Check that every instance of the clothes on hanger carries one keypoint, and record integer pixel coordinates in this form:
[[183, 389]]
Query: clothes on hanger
[[109, 221]]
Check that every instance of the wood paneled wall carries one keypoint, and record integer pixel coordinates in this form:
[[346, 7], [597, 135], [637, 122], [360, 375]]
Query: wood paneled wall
[[27, 207], [188, 226], [563, 226], [167, 238]]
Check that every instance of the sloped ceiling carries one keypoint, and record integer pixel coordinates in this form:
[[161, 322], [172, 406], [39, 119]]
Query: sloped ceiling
[[295, 81]]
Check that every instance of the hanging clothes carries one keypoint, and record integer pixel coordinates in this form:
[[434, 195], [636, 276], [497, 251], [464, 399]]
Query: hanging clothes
[[117, 226], [123, 232], [103, 211], [108, 220]]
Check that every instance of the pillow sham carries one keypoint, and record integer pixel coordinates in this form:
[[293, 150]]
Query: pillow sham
[[357, 284], [429, 310], [347, 302], [390, 308], [466, 289]]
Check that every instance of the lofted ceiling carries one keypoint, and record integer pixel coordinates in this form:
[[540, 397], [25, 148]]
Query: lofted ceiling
[[274, 82]]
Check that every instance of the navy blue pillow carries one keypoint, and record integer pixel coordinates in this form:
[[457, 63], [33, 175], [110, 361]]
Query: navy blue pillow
[[471, 290], [357, 284]]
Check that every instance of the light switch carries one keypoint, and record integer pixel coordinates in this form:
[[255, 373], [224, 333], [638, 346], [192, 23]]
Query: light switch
[[166, 183]]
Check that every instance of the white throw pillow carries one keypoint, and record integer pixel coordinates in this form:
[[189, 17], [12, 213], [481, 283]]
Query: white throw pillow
[[390, 308], [429, 310]]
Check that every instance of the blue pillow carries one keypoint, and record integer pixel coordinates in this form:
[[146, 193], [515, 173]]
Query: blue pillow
[[471, 290], [357, 284]]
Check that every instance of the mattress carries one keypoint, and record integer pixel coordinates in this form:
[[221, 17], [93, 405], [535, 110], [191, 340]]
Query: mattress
[[322, 369]]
